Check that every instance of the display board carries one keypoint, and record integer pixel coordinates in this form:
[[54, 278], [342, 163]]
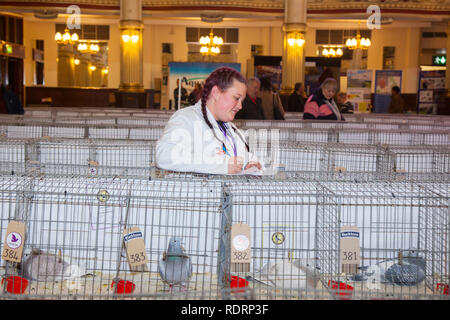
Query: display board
[[384, 81], [359, 84], [191, 73], [431, 83]]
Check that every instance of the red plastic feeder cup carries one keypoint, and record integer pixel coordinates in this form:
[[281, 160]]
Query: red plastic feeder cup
[[123, 286], [15, 284], [442, 288], [341, 289], [238, 282]]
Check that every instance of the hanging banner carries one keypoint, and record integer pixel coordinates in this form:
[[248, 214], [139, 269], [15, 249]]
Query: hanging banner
[[359, 85], [431, 84], [384, 81], [191, 73]]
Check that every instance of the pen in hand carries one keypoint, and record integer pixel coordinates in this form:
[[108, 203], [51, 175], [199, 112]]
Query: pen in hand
[[235, 164]]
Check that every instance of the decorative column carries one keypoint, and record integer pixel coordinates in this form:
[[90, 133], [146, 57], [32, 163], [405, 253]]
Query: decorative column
[[293, 66], [131, 90]]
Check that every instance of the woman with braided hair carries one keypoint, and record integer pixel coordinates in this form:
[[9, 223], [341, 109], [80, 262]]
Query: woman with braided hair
[[201, 138]]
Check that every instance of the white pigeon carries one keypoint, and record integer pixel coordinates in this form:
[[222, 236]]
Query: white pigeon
[[288, 275], [175, 267]]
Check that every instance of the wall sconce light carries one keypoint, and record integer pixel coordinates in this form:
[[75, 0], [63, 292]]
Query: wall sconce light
[[126, 38], [296, 39], [76, 62], [93, 68]]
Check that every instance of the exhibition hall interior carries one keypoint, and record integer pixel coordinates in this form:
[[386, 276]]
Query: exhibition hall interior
[[225, 150]]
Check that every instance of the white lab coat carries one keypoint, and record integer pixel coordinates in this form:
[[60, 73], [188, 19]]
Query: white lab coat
[[188, 144]]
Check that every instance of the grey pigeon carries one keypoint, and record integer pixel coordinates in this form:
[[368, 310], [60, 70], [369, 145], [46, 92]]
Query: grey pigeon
[[175, 267], [41, 266], [406, 270], [297, 274]]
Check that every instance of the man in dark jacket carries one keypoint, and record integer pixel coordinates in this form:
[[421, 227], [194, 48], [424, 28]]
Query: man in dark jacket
[[297, 99], [397, 104], [251, 106], [9, 102]]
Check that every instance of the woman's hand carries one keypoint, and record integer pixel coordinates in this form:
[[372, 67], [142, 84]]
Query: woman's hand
[[235, 164], [253, 164]]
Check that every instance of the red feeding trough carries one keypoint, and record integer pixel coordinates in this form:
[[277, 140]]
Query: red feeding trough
[[238, 282], [123, 286], [15, 284], [442, 288], [341, 289]]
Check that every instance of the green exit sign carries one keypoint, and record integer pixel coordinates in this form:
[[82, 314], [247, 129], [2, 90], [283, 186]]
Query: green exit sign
[[7, 48], [439, 60]]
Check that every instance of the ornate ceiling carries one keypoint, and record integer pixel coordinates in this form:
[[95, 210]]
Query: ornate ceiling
[[243, 8]]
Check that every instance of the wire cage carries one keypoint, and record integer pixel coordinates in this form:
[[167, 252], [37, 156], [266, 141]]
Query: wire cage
[[402, 240], [347, 162], [297, 250], [309, 161], [74, 244], [281, 219], [294, 236], [422, 163], [77, 157], [73, 129], [351, 133]]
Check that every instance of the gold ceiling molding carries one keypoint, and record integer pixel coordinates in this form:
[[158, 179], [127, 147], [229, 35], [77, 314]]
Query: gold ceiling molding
[[277, 5], [438, 5], [261, 4], [65, 3]]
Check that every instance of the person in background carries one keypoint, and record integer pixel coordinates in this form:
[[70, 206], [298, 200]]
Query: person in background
[[397, 104], [194, 96], [327, 73], [202, 138], [343, 104], [270, 101], [320, 105], [297, 99], [9, 102], [251, 107], [184, 94]]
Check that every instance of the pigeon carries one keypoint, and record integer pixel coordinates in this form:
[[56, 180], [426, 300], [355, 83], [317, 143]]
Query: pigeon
[[406, 270], [41, 266], [175, 267], [297, 274]]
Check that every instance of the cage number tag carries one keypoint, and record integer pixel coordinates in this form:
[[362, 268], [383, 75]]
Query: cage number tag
[[350, 248], [240, 243], [135, 246], [13, 246]]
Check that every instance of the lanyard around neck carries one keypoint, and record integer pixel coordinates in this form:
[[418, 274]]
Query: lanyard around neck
[[229, 137]]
